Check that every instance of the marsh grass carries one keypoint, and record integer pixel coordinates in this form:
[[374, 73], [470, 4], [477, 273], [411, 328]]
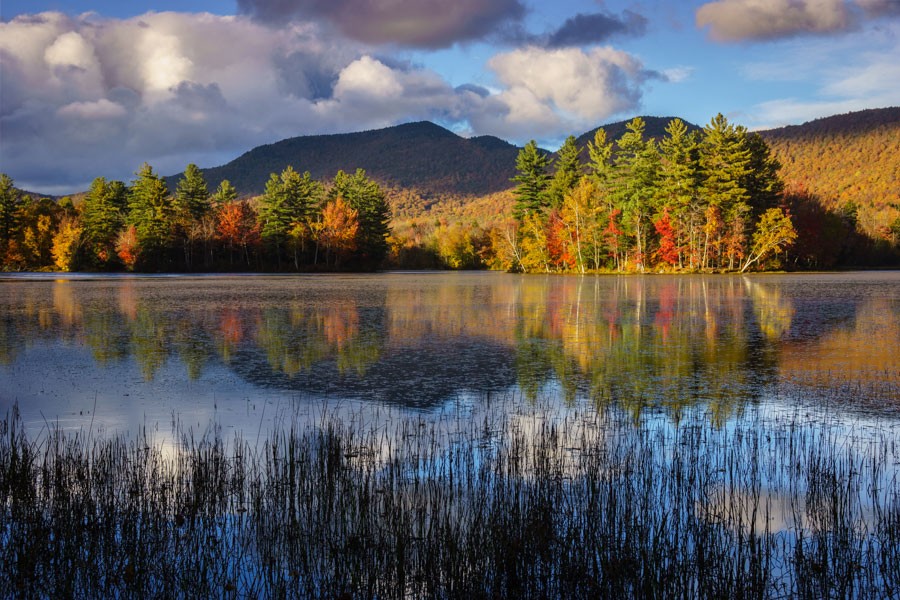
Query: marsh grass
[[515, 503]]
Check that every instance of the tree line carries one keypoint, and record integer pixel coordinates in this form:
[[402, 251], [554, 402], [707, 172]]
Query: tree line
[[692, 201], [297, 224]]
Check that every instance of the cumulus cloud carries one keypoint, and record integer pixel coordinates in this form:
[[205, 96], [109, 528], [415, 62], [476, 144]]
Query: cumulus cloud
[[85, 97], [568, 88], [417, 23], [743, 20]]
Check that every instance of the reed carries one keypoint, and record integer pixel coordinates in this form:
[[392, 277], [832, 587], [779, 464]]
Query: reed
[[516, 502]]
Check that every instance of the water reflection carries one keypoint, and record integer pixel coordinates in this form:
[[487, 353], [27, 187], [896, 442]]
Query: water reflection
[[417, 340]]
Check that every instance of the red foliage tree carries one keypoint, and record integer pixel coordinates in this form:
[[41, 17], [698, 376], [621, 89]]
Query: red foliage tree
[[668, 249]]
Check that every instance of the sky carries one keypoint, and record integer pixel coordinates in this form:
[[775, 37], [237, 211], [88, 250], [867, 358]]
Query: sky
[[96, 88]]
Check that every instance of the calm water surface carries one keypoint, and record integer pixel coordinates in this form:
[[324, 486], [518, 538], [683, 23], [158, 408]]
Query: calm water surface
[[121, 353]]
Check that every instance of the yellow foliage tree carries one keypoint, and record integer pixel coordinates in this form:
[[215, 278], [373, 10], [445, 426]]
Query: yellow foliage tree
[[65, 243]]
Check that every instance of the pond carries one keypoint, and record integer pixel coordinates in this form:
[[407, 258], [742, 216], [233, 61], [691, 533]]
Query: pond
[[128, 352], [450, 435]]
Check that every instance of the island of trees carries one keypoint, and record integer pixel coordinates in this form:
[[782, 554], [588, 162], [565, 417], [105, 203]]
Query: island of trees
[[690, 201]]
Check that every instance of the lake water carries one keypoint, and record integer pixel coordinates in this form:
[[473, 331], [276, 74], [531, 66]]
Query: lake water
[[120, 353], [739, 432]]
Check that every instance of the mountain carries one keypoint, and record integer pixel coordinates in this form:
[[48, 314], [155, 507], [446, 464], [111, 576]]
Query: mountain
[[420, 156], [850, 158]]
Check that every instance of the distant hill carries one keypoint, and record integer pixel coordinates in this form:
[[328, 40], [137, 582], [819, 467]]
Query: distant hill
[[853, 157], [419, 156], [845, 158]]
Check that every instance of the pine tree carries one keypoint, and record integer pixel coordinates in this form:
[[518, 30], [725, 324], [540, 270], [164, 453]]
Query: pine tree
[[365, 197], [531, 193], [191, 194], [725, 160], [102, 216], [286, 210], [568, 172], [225, 194], [679, 187], [10, 198], [636, 173], [150, 211]]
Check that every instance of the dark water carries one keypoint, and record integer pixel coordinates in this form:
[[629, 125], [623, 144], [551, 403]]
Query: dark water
[[125, 352]]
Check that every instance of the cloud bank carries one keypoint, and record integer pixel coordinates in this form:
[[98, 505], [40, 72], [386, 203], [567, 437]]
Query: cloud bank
[[751, 20], [416, 23], [86, 97]]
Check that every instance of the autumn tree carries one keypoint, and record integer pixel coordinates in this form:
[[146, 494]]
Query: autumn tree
[[579, 216], [65, 243], [337, 230], [774, 233], [238, 227], [38, 219]]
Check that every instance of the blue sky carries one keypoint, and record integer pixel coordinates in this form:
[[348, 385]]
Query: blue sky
[[93, 89]]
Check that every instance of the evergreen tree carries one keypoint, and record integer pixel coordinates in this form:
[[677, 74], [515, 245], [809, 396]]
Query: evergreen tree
[[568, 172], [725, 160], [636, 175], [679, 187], [225, 194], [531, 193], [600, 154], [102, 216], [365, 197], [151, 214], [10, 198], [287, 209], [191, 194]]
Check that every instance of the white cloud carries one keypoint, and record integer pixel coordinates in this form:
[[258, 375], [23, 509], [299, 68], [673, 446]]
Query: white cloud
[[84, 97], [573, 86]]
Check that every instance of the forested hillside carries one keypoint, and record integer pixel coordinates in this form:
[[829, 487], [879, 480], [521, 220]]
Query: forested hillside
[[849, 163], [660, 195], [423, 157]]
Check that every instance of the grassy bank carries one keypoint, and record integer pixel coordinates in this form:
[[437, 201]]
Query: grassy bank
[[514, 504]]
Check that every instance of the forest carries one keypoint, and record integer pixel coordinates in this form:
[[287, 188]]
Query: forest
[[691, 200]]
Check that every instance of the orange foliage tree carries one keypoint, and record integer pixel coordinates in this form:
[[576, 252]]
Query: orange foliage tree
[[337, 230], [238, 227]]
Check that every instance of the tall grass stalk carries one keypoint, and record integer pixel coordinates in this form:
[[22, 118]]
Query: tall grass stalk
[[534, 503]]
